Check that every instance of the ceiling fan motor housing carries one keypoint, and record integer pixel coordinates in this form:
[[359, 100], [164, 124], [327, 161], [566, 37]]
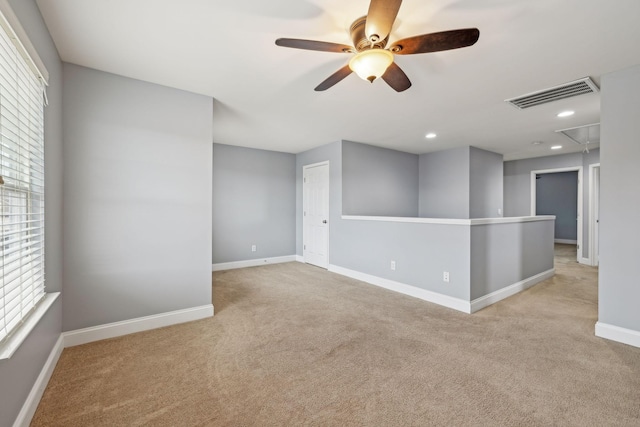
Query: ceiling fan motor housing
[[359, 38]]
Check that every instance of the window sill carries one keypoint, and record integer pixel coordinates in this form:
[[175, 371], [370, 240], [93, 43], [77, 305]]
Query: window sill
[[8, 348]]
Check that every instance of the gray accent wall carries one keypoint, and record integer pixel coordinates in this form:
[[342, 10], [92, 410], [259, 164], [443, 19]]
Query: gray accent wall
[[18, 374], [619, 272], [517, 184], [378, 181], [444, 184], [138, 194], [557, 194], [253, 203], [517, 179]]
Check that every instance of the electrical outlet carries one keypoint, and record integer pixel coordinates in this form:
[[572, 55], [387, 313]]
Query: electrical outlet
[[393, 265], [253, 248], [499, 211], [445, 276]]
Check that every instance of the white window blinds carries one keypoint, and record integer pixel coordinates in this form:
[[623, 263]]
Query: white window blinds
[[21, 184]]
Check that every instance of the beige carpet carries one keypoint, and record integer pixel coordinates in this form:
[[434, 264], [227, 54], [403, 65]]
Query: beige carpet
[[292, 344]]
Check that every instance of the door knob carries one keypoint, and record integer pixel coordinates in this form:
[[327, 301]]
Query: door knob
[[324, 221]]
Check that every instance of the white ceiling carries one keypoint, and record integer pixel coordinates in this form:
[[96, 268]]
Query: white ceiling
[[264, 95]]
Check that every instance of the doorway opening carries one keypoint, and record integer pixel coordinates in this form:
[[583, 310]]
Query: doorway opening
[[559, 192]]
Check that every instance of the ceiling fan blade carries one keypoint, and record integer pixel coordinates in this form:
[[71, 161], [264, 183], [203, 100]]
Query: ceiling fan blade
[[315, 45], [396, 78], [436, 42], [334, 78], [380, 18]]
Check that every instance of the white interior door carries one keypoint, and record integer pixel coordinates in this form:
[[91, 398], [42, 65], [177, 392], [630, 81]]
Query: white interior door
[[315, 220]]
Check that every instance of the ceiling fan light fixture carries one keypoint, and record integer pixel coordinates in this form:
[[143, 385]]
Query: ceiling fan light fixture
[[371, 64]]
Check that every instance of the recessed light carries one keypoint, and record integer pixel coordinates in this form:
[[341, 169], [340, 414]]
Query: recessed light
[[536, 142], [556, 147], [566, 113], [430, 135]]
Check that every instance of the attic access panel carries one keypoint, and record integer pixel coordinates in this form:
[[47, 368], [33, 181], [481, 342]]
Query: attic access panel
[[583, 135]]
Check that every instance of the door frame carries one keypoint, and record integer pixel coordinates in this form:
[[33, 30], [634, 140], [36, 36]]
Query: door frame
[[304, 169], [594, 207], [579, 251]]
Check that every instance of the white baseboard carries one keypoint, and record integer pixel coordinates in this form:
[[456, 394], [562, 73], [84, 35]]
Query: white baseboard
[[616, 333], [252, 262], [423, 294], [33, 399], [500, 294], [585, 261], [117, 329], [566, 241], [445, 300], [299, 258]]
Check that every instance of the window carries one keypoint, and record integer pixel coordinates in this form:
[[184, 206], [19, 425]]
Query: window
[[21, 183]]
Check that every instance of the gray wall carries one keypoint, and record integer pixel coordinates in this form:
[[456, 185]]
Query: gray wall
[[253, 203], [619, 273], [18, 374], [486, 178], [463, 183], [517, 184], [422, 253], [557, 194], [138, 187], [504, 254], [444, 184], [378, 181]]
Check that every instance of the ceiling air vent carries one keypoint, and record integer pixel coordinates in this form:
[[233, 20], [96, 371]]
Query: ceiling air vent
[[567, 90]]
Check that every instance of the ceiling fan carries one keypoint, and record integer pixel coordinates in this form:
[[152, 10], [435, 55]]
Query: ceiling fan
[[372, 59]]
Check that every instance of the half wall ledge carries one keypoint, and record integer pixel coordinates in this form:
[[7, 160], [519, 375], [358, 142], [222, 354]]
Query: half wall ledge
[[485, 260], [452, 221]]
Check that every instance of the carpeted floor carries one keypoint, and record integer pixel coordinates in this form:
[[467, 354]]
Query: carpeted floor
[[292, 344]]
